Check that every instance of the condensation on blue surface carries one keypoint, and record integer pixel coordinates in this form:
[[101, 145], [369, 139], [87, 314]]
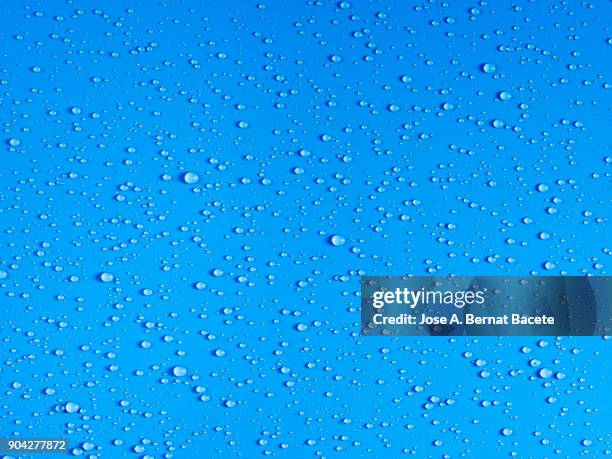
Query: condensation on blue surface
[[189, 192]]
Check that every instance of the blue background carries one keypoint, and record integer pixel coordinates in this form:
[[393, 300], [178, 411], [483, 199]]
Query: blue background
[[231, 324]]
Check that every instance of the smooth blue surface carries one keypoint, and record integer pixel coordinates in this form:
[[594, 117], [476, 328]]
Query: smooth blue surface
[[229, 324]]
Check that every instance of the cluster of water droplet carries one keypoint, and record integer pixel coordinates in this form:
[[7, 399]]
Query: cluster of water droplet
[[190, 192]]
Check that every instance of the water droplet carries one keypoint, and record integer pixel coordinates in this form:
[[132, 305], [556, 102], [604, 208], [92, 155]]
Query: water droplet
[[337, 240], [488, 68], [545, 373], [179, 371], [71, 407], [549, 265], [106, 277], [190, 178]]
